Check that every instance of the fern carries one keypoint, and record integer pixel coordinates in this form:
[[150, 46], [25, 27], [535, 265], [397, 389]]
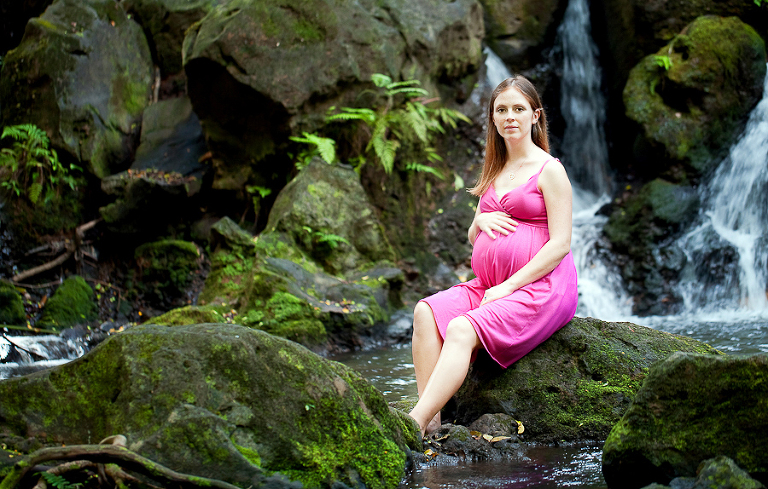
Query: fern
[[58, 481], [30, 167], [325, 147], [418, 167]]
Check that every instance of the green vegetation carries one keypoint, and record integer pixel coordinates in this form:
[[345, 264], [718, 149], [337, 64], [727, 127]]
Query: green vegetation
[[30, 167], [400, 123]]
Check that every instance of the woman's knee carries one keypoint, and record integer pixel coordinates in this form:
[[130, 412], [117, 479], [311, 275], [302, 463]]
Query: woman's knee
[[461, 330], [423, 317]]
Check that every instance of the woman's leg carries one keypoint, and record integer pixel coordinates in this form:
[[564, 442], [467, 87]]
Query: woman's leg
[[449, 372], [425, 348]]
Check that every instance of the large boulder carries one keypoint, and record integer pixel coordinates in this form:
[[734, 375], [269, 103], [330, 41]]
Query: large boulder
[[691, 408], [574, 386], [219, 401], [11, 305], [268, 283], [277, 66], [693, 96], [89, 99], [628, 30]]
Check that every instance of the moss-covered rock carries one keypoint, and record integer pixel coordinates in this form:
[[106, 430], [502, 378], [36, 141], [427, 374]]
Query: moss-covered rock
[[11, 305], [88, 99], [691, 407], [272, 285], [216, 400], [326, 212], [166, 267], [70, 305], [259, 69], [191, 315], [691, 109], [574, 386]]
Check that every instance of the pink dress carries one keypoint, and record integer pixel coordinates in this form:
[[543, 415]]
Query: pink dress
[[514, 325]]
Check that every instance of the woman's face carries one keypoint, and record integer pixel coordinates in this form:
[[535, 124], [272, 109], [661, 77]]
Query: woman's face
[[513, 115]]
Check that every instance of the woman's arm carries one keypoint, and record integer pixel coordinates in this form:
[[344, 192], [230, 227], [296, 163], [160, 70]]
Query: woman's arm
[[489, 222], [556, 188]]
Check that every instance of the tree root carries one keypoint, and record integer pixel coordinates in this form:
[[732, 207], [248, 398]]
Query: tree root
[[115, 459]]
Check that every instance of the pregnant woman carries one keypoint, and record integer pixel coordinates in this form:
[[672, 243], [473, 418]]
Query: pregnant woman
[[525, 285]]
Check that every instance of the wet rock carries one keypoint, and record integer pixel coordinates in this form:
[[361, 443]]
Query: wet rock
[[72, 304], [574, 386], [166, 267], [691, 407], [88, 99], [691, 110], [216, 400], [470, 445]]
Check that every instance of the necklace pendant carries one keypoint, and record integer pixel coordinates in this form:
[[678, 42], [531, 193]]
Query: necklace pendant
[[512, 176]]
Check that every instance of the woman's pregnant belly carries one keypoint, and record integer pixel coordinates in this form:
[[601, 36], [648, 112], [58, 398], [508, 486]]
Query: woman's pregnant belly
[[495, 260]]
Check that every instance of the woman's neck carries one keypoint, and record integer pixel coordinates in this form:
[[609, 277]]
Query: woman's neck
[[521, 151]]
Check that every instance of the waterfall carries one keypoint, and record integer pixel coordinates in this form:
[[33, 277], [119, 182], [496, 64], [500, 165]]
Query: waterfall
[[20, 355], [585, 152], [727, 248]]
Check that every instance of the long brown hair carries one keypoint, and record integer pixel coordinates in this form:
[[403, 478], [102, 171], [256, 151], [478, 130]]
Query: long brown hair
[[495, 149]]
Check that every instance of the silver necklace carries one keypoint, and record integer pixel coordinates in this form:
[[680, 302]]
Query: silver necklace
[[512, 175]]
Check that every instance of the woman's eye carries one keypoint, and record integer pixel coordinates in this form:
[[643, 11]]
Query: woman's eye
[[519, 109]]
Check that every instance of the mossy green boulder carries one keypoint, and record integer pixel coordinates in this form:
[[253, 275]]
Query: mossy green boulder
[[574, 386], [11, 305], [72, 304], [87, 98], [692, 407], [325, 211], [167, 266], [716, 473], [692, 97], [219, 401], [271, 284]]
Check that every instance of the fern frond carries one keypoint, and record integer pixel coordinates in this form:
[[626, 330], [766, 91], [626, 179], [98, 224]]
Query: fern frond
[[326, 147], [381, 80], [34, 192], [416, 121], [409, 91], [418, 167]]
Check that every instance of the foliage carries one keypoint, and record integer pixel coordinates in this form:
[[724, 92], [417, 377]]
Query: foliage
[[58, 481], [329, 239], [325, 147], [663, 62], [400, 120], [759, 3], [30, 167]]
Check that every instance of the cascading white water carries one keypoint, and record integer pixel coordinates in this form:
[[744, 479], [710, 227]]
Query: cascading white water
[[585, 155], [733, 220], [582, 103]]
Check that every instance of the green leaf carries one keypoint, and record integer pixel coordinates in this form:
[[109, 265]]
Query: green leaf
[[380, 80], [418, 167]]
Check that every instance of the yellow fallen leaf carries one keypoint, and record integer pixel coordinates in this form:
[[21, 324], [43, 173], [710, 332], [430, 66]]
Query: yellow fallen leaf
[[487, 438], [475, 434], [500, 438], [520, 428], [444, 437], [430, 454]]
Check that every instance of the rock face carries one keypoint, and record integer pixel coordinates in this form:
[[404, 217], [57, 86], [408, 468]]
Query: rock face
[[516, 31], [219, 401], [282, 63], [692, 109], [11, 305], [576, 385], [691, 408], [88, 99]]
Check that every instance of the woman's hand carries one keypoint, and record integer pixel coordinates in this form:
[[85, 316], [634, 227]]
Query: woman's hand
[[495, 292], [499, 221]]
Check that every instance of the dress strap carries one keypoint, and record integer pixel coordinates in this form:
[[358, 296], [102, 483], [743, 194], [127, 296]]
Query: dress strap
[[545, 164]]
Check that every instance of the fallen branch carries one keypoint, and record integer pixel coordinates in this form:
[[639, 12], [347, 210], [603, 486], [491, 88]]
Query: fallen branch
[[110, 454], [42, 268]]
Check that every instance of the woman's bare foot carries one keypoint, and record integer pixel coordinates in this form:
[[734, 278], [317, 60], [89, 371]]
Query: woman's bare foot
[[433, 425]]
